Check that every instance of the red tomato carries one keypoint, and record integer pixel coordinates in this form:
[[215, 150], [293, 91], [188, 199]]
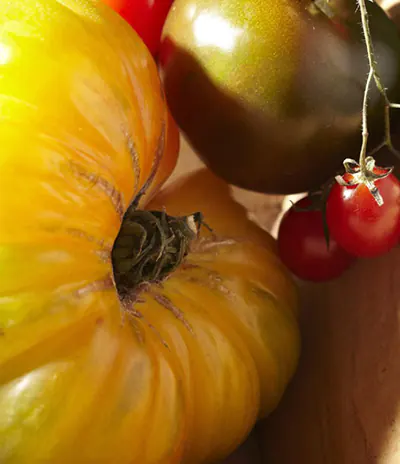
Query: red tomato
[[358, 223], [303, 248], [147, 17]]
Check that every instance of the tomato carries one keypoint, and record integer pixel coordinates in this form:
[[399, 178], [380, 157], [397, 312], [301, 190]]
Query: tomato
[[303, 247], [147, 17], [358, 223], [85, 375], [258, 90]]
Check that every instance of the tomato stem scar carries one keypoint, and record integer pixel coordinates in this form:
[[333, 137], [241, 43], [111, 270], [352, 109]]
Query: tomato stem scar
[[150, 246]]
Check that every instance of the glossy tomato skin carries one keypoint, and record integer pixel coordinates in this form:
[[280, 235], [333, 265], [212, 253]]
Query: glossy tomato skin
[[269, 92], [81, 379], [358, 223], [147, 17], [303, 248], [79, 140]]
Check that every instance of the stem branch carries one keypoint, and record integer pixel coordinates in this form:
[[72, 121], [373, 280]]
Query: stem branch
[[363, 151], [373, 72]]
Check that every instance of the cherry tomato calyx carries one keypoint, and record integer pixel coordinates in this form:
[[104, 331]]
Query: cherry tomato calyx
[[363, 211]]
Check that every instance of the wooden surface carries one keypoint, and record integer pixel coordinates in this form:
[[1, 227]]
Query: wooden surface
[[343, 406]]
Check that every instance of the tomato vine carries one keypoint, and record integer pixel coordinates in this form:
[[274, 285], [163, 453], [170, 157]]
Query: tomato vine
[[360, 212], [364, 171]]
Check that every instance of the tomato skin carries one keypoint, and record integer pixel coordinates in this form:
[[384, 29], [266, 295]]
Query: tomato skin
[[147, 17], [303, 248], [244, 119], [358, 223], [80, 381]]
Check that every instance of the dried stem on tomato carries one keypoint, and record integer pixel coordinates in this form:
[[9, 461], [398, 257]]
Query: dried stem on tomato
[[150, 246]]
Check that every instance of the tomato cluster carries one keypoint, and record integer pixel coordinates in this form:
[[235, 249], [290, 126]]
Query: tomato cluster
[[357, 226], [319, 248]]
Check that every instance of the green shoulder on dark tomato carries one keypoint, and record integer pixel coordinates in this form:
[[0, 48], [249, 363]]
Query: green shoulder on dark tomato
[[269, 93]]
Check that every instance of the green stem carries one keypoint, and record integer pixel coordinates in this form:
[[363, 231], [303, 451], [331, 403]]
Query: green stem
[[370, 50], [378, 82], [363, 151]]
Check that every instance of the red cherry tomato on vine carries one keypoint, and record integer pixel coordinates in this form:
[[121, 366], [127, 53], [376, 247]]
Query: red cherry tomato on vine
[[147, 17], [303, 248], [358, 223]]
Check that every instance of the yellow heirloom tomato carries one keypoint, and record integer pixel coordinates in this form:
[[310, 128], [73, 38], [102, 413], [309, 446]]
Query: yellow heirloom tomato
[[92, 371]]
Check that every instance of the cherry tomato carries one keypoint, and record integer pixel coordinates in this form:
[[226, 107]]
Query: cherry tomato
[[147, 17], [303, 248], [358, 223]]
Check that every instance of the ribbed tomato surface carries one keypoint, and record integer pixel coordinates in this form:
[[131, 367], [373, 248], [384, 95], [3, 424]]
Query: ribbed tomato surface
[[83, 127]]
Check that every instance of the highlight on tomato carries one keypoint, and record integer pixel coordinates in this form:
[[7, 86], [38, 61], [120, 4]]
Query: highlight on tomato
[[259, 82], [129, 332]]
